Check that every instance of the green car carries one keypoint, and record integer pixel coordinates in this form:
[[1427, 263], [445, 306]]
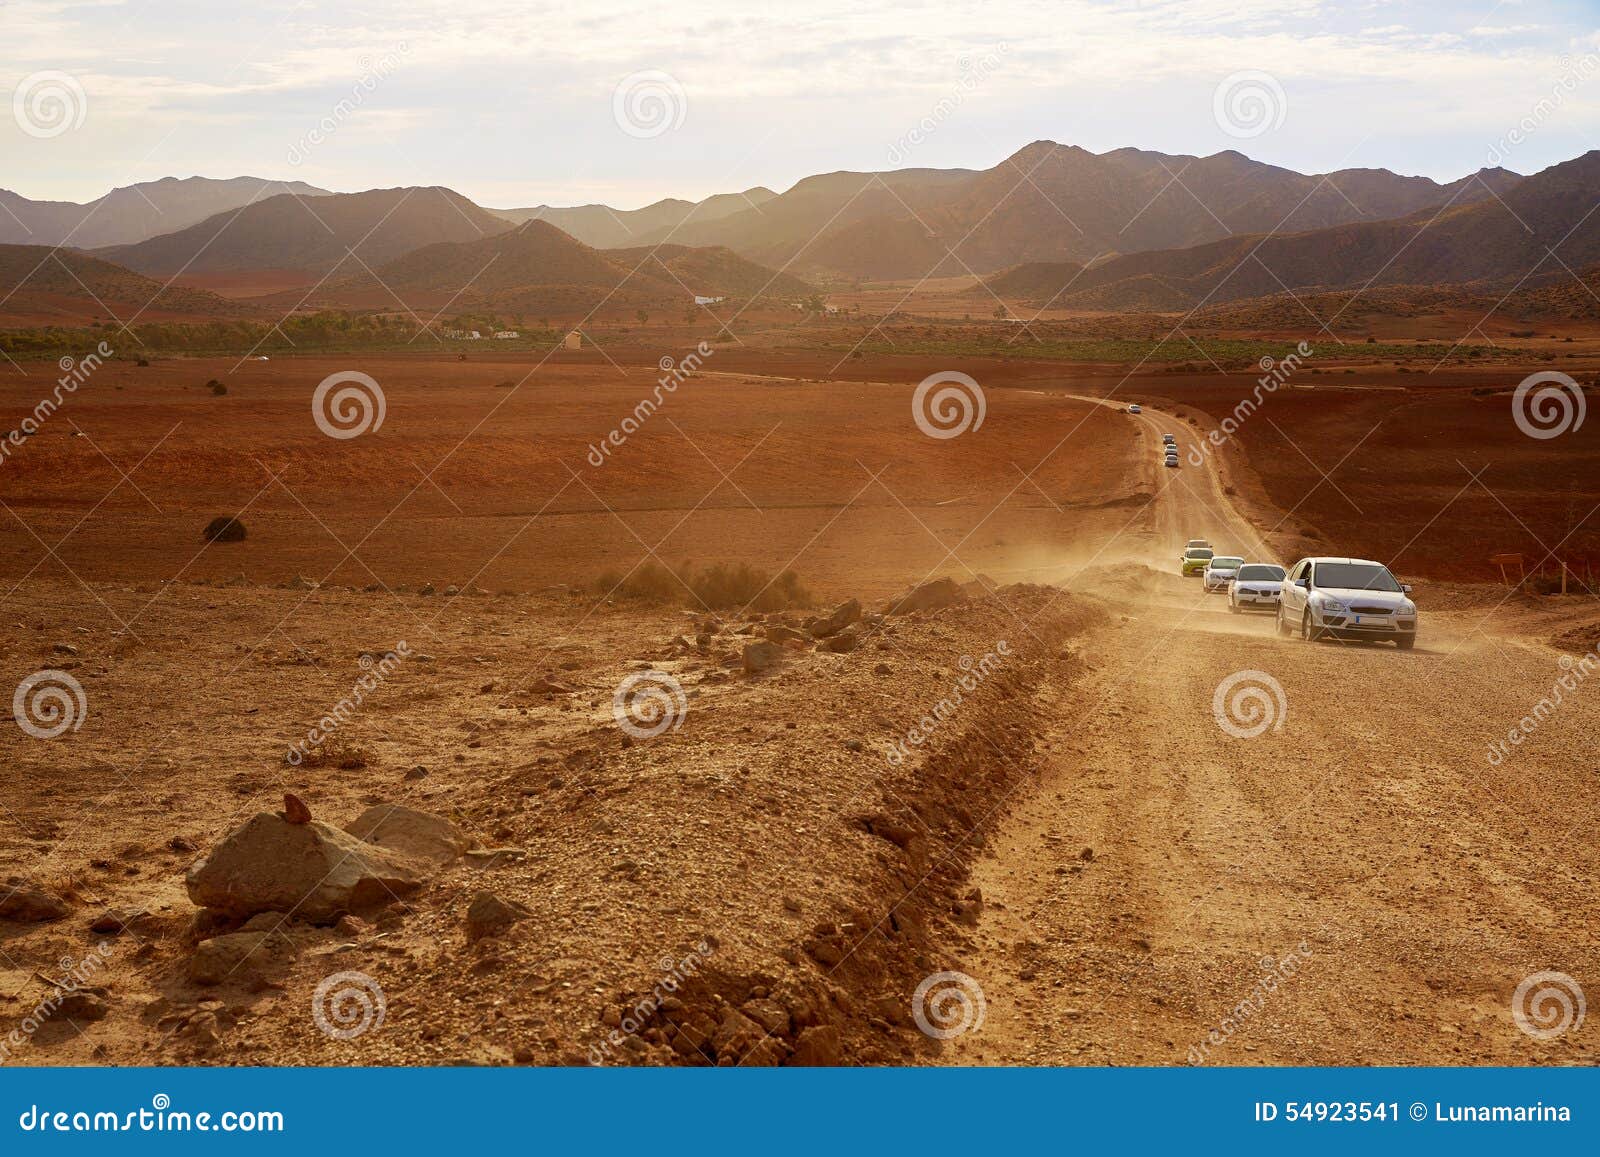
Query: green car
[[1195, 560]]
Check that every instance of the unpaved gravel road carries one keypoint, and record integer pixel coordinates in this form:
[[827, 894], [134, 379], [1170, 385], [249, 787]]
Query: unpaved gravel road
[[1355, 885]]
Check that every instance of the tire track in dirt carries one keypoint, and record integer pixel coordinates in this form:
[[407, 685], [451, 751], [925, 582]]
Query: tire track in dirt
[[1396, 886]]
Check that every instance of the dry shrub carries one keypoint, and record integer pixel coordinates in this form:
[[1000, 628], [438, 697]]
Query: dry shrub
[[720, 586], [336, 751]]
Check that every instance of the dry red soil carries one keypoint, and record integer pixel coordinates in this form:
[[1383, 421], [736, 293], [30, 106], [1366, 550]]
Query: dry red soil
[[1077, 835]]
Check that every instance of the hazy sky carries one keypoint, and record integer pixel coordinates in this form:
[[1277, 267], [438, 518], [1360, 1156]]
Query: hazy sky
[[518, 103]]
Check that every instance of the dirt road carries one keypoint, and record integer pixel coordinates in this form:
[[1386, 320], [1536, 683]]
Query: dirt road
[[1357, 883]]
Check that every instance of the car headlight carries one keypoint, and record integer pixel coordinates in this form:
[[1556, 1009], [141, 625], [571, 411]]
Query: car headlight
[[1334, 605], [1407, 608]]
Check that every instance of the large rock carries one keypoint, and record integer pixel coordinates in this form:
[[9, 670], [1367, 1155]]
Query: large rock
[[843, 615], [818, 1046], [761, 656], [489, 915], [928, 597], [313, 870], [421, 835], [240, 957], [28, 903], [846, 640]]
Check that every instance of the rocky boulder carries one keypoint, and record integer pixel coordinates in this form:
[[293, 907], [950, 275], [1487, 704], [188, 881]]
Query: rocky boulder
[[932, 596], [843, 615], [845, 641], [761, 656], [418, 834], [313, 870], [28, 903]]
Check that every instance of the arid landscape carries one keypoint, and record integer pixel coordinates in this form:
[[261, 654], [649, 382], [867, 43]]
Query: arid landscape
[[752, 628], [1078, 836]]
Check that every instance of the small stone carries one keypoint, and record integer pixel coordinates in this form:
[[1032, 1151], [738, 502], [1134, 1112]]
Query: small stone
[[83, 1006], [295, 809], [489, 915], [845, 641]]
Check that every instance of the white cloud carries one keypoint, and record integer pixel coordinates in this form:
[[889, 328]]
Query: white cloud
[[505, 94]]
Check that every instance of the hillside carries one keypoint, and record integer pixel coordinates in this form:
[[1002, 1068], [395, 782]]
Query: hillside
[[537, 267], [46, 286], [712, 271], [313, 235], [1486, 243], [135, 212], [605, 228], [1051, 202]]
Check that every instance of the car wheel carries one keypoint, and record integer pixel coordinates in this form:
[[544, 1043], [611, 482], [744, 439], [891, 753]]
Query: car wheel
[[1283, 624], [1405, 642], [1307, 632]]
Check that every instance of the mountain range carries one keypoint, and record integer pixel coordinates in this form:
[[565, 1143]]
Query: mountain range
[[536, 267], [134, 212], [1534, 226], [1126, 229]]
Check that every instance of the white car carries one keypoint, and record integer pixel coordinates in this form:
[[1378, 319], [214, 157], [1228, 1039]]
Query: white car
[[1220, 571], [1256, 587], [1171, 458], [1134, 409], [1346, 598]]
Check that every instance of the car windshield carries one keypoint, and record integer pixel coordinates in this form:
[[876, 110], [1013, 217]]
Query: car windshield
[[1198, 552], [1355, 576], [1258, 571], [1226, 563]]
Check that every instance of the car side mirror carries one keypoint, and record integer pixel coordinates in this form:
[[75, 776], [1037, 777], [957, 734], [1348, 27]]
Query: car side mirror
[[1405, 588], [1304, 584]]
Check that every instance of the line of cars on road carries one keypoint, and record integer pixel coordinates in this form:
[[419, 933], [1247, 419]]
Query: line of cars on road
[[1322, 597], [1169, 443]]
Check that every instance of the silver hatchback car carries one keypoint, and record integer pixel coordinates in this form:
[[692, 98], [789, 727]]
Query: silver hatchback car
[[1347, 598]]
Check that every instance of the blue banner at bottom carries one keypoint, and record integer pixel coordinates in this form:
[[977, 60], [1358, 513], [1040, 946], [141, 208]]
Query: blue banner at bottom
[[841, 1110]]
